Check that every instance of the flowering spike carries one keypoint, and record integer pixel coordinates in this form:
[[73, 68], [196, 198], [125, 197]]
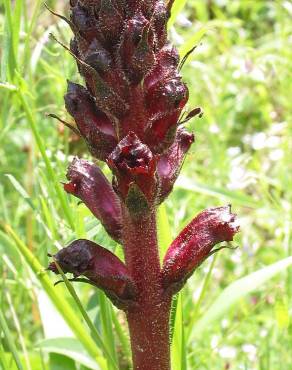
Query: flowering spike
[[194, 244], [100, 266], [130, 114], [88, 183]]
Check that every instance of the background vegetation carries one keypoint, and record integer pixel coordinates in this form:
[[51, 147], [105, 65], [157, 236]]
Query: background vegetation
[[235, 313]]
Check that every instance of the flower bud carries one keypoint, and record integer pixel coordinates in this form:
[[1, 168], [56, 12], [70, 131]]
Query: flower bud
[[100, 266], [170, 163], [159, 19], [172, 94], [165, 103], [161, 131], [110, 21], [194, 244], [88, 183], [143, 57], [132, 36], [97, 57], [94, 126], [84, 20], [167, 60]]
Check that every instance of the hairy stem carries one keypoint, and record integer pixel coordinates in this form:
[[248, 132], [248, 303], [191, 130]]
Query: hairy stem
[[149, 319]]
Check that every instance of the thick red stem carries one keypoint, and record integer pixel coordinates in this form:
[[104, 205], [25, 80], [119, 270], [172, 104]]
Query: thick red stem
[[149, 320]]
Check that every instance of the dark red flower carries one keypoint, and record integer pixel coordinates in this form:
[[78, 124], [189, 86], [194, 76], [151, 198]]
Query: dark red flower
[[195, 242], [133, 163], [89, 184], [93, 125], [101, 267]]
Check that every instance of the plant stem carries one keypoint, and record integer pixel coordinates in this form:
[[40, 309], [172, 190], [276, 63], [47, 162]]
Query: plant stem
[[149, 319]]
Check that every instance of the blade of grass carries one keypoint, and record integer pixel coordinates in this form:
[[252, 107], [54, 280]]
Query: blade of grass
[[18, 330], [177, 7], [8, 86], [10, 341], [3, 361], [124, 341], [20, 189], [40, 144], [7, 59], [95, 334], [107, 326], [29, 30], [178, 354], [201, 296], [192, 41], [16, 26], [60, 303], [236, 291], [68, 347], [242, 199]]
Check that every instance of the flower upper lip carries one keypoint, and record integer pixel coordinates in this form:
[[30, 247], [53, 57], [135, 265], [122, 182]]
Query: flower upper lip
[[132, 155]]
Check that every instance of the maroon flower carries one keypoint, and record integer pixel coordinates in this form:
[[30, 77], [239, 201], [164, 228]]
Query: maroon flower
[[101, 267], [165, 100], [195, 242], [93, 125], [136, 48], [89, 184], [133, 163]]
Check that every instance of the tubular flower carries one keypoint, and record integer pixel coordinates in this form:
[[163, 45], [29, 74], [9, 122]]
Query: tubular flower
[[133, 163], [88, 183], [170, 163], [101, 267], [129, 112], [194, 244]]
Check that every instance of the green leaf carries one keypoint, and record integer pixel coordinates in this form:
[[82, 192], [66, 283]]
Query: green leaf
[[41, 146], [10, 341], [69, 347], [240, 198], [20, 189], [8, 86], [237, 290], [192, 41], [178, 349], [60, 362], [177, 7], [107, 327], [95, 334]]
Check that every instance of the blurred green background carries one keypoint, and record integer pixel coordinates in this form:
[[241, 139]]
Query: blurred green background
[[235, 312]]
